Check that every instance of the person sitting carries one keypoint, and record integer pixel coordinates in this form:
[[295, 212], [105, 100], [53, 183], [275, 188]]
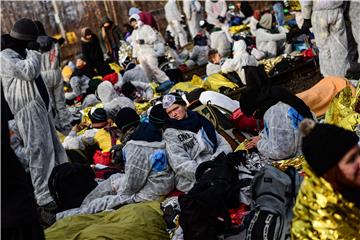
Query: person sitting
[[137, 91], [190, 140], [112, 100], [147, 176], [134, 72], [282, 112], [199, 53], [328, 202], [268, 39], [80, 79], [214, 64], [220, 38]]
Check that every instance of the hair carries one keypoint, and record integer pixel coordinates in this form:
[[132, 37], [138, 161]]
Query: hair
[[212, 53], [127, 89]]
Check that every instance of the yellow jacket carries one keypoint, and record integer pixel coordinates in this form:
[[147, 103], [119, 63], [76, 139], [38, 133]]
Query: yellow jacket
[[322, 213]]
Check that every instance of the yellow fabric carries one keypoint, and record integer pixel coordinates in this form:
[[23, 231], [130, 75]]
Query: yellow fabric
[[66, 73], [215, 81], [342, 110], [60, 136], [319, 97], [238, 29], [321, 213], [196, 82], [103, 140], [115, 67], [142, 107], [134, 221]]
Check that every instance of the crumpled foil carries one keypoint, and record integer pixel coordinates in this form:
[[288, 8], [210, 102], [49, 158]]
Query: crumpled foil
[[322, 213], [295, 162]]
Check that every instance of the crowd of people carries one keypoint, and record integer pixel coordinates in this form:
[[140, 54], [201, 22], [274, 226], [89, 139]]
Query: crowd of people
[[140, 138]]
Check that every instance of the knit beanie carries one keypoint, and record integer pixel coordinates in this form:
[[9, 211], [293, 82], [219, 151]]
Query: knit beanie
[[98, 115], [158, 115], [127, 89], [323, 145], [266, 21], [126, 118], [24, 29]]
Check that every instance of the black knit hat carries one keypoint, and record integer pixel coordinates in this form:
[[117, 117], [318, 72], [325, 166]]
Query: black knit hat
[[158, 115], [98, 115], [127, 118], [127, 89], [323, 145], [24, 29]]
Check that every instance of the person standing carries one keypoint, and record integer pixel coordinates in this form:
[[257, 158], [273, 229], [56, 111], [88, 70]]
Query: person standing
[[192, 10], [216, 12], [110, 36], [28, 100]]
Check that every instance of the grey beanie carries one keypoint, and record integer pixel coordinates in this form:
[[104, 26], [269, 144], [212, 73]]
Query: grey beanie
[[24, 29]]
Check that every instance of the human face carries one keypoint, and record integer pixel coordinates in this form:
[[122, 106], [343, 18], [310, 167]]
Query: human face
[[177, 111], [216, 58], [349, 168], [133, 24], [107, 24], [80, 63]]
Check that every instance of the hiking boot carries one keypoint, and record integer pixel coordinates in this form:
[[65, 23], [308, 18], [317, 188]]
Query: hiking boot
[[165, 86], [47, 214]]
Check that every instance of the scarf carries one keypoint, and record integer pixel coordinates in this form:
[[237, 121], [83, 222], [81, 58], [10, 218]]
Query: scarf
[[261, 100], [147, 132], [193, 123]]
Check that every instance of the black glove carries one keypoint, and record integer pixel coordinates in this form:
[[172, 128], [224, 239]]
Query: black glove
[[116, 153], [306, 25], [45, 43], [33, 45], [141, 41], [221, 19]]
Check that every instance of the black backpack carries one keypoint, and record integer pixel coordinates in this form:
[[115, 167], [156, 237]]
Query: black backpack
[[205, 208], [69, 183]]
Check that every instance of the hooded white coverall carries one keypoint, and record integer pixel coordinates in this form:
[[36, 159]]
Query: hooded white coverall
[[173, 17], [35, 125], [328, 25], [50, 73], [145, 52], [213, 10], [192, 10]]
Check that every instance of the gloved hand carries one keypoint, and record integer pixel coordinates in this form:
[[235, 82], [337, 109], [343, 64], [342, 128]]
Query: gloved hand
[[116, 153], [306, 25], [33, 45], [45, 43], [141, 41], [221, 19]]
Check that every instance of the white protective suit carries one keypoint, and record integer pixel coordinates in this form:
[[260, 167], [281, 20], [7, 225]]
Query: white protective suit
[[270, 43], [198, 56], [50, 73], [212, 68], [173, 17], [328, 25], [192, 10], [253, 23], [214, 9], [187, 150], [355, 22], [144, 89], [135, 74], [220, 41], [145, 52], [35, 125], [112, 101], [79, 85], [241, 59], [147, 177], [159, 45]]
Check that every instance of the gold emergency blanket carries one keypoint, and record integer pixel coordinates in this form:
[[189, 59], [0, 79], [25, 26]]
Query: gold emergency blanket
[[270, 63], [344, 110], [321, 213], [239, 29]]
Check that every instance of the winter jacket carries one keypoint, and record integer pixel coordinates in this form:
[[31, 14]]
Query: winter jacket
[[116, 35], [215, 9], [187, 150], [270, 42], [91, 50], [147, 177], [280, 138]]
